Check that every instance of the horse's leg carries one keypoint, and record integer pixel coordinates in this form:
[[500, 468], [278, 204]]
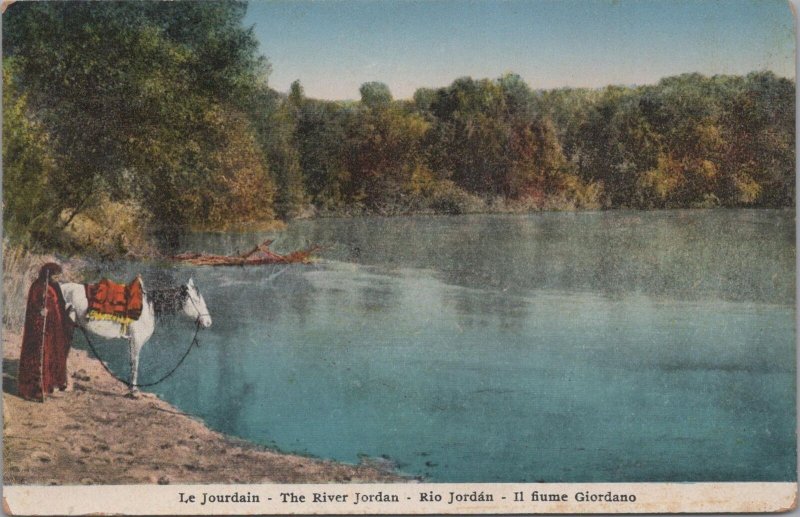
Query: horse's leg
[[134, 347]]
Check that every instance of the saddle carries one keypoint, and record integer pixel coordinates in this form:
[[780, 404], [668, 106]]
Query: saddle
[[115, 302]]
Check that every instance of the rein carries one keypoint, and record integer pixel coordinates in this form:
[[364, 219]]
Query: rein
[[199, 314], [194, 342]]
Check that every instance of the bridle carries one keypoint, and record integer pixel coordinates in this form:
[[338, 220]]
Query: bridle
[[200, 314], [193, 343]]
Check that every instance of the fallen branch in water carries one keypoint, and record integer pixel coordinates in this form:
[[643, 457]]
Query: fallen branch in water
[[260, 255]]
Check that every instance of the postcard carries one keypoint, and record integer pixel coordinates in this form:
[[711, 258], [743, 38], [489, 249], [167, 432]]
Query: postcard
[[384, 257]]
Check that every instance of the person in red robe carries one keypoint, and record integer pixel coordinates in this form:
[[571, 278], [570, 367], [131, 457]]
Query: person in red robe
[[46, 339]]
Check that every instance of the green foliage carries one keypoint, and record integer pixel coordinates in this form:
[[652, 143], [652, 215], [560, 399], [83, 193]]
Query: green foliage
[[382, 149], [441, 152], [688, 141], [446, 198], [375, 95], [160, 111], [109, 229], [275, 120], [491, 140], [28, 168], [319, 135], [136, 98]]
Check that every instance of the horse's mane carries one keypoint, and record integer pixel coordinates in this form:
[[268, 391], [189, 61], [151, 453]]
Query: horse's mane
[[169, 300]]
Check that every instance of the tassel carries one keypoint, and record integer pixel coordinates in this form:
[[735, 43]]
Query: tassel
[[122, 320]]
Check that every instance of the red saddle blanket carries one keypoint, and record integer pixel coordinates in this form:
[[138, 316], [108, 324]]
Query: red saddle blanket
[[123, 301]]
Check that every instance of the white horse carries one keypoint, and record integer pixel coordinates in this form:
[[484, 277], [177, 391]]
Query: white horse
[[185, 298]]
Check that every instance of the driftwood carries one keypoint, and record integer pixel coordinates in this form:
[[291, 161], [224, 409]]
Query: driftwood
[[260, 255]]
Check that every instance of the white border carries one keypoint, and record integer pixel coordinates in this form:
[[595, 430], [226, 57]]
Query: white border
[[411, 498]]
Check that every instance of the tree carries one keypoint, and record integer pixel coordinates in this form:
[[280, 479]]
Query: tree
[[320, 136], [375, 95], [274, 119], [240, 188], [28, 169], [125, 90], [297, 94], [383, 149], [758, 129]]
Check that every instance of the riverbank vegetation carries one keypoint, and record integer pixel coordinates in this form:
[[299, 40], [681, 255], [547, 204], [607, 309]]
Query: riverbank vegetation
[[125, 121]]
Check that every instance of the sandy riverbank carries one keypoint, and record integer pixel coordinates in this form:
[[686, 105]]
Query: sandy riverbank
[[96, 435]]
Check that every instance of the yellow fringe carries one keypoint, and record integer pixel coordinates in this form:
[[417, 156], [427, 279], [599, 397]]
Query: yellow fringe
[[101, 316]]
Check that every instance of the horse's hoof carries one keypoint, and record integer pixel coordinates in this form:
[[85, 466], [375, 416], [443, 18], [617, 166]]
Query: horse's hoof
[[133, 395]]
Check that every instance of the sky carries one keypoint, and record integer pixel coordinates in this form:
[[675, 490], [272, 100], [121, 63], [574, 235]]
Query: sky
[[334, 46]]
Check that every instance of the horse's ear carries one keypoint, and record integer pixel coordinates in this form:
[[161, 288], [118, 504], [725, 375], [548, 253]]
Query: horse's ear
[[190, 283]]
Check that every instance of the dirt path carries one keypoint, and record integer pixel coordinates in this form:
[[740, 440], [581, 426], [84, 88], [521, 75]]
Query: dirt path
[[95, 435]]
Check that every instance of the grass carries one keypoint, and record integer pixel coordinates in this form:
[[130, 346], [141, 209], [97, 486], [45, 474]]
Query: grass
[[242, 227], [112, 229], [20, 269]]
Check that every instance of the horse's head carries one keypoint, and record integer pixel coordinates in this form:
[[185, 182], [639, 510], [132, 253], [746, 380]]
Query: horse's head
[[195, 306]]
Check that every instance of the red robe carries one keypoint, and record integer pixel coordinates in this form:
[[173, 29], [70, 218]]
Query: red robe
[[43, 361]]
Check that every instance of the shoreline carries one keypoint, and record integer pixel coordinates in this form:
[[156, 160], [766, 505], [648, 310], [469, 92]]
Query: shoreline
[[345, 214], [265, 226], [94, 434]]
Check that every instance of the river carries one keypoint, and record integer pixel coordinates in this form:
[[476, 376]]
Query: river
[[557, 347]]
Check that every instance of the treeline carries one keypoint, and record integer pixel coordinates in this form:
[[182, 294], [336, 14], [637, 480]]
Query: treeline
[[688, 141], [127, 116]]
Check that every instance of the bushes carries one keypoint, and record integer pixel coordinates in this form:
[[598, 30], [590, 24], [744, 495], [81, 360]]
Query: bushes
[[110, 229], [128, 102], [20, 268], [447, 198]]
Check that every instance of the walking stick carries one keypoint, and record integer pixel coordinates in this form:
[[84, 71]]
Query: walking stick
[[44, 331]]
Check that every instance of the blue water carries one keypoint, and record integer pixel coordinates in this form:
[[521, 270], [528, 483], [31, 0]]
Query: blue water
[[557, 347]]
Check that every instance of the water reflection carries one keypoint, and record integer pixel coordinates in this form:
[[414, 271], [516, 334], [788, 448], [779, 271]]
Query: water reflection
[[560, 347], [688, 255], [480, 308], [379, 297]]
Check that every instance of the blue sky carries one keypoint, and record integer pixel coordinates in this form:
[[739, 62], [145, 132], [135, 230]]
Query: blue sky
[[334, 46]]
